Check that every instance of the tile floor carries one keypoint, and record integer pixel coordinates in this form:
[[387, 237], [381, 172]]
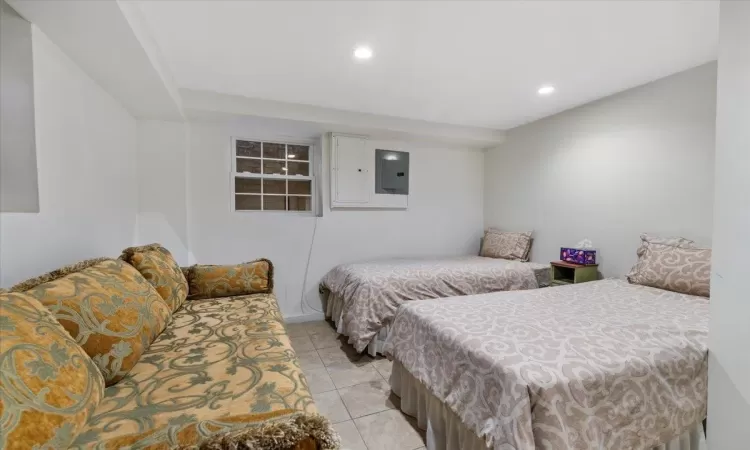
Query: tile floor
[[353, 391]]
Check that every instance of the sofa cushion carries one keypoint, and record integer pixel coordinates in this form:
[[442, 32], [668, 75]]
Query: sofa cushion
[[49, 387], [283, 429], [158, 266], [108, 308], [207, 281], [218, 358]]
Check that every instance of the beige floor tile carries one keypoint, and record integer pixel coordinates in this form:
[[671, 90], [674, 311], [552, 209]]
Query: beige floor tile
[[344, 354], [302, 344], [384, 367], [309, 360], [296, 329], [350, 438], [320, 326], [368, 398], [344, 375], [319, 381], [330, 405], [326, 339], [389, 430]]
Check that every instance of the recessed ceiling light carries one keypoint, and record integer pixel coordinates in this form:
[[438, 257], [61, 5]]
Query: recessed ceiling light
[[292, 156], [363, 52], [546, 90]]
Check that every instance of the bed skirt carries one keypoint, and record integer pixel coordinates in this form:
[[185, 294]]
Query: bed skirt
[[334, 308], [445, 431]]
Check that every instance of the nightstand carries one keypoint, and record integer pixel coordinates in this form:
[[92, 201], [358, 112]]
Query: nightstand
[[568, 273]]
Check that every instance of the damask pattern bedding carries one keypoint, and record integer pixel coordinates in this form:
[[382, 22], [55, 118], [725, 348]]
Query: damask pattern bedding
[[604, 364], [372, 292]]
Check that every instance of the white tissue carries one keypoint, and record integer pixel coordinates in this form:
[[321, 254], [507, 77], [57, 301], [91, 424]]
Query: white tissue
[[587, 244]]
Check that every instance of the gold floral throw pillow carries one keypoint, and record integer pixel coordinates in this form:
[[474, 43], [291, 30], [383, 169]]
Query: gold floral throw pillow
[[684, 270], [206, 281], [49, 386], [158, 266], [506, 245], [108, 307]]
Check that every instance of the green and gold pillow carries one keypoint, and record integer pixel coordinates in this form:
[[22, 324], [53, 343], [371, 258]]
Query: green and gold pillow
[[206, 281], [49, 387], [158, 266], [109, 309]]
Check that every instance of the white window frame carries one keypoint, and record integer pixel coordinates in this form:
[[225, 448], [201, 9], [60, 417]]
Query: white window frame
[[234, 174]]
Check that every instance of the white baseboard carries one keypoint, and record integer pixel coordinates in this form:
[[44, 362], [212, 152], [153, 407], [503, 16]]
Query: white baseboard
[[312, 317]]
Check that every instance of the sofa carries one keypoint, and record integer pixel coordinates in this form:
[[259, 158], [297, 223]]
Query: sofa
[[138, 352]]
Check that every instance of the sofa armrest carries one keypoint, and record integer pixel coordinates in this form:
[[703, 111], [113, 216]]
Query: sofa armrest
[[213, 281]]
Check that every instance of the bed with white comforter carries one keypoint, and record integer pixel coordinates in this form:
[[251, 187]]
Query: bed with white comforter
[[363, 298], [599, 365]]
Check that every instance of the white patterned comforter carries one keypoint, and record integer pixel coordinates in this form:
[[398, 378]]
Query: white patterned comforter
[[372, 292], [599, 365]]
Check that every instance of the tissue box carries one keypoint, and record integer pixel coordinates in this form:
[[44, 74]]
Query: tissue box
[[578, 255]]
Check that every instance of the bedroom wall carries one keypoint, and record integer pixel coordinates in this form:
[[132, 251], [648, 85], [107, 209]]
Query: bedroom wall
[[444, 215], [641, 160], [162, 186], [729, 335], [86, 158]]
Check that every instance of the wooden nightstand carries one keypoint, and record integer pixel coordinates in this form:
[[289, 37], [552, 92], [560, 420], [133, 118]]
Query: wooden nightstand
[[568, 273]]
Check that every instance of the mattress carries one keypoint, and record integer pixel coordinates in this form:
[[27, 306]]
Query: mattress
[[366, 296], [603, 364]]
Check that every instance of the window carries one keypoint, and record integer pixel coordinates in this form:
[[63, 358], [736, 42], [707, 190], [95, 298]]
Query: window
[[271, 176]]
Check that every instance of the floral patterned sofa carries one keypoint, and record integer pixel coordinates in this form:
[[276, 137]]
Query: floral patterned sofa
[[137, 352]]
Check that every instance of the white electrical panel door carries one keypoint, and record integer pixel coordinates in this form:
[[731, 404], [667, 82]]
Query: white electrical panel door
[[351, 170]]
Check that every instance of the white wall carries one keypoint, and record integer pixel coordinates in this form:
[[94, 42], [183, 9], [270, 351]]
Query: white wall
[[641, 160], [19, 189], [444, 215], [86, 159], [162, 186], [729, 338]]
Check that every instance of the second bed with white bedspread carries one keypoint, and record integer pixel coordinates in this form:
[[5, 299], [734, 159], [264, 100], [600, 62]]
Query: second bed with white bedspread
[[364, 297], [604, 364]]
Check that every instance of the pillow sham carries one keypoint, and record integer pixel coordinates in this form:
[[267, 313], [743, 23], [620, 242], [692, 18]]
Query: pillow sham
[[109, 308], [684, 270], [208, 281], [50, 387], [158, 266], [506, 245], [669, 241]]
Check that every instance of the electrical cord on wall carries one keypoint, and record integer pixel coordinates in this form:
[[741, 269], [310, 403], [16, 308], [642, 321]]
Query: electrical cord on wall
[[303, 298]]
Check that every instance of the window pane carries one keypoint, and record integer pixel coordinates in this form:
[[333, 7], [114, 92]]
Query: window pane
[[247, 202], [300, 187], [274, 203], [299, 152], [274, 167], [277, 151], [299, 168], [248, 165], [274, 186], [300, 203], [248, 148], [247, 185]]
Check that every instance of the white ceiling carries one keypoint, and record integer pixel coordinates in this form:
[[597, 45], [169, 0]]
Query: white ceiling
[[465, 63]]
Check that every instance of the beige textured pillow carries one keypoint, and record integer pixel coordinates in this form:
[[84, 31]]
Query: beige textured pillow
[[684, 270], [670, 241], [506, 245]]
